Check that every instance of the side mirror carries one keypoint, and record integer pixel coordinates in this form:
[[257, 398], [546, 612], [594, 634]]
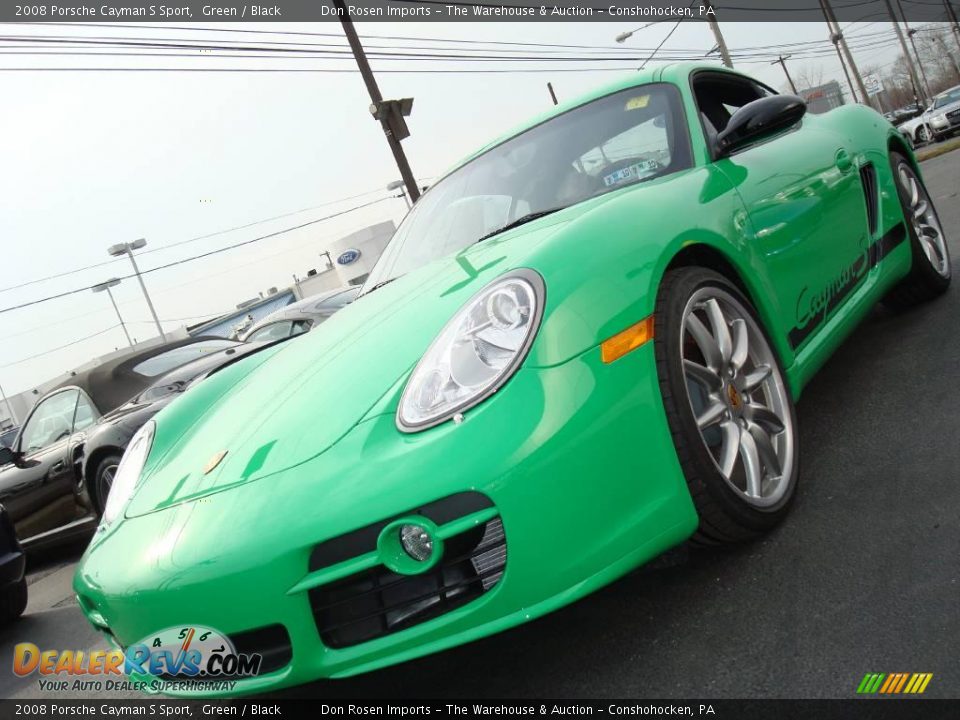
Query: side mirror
[[759, 119], [7, 456]]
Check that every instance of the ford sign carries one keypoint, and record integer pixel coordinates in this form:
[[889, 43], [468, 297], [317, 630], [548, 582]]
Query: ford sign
[[348, 256]]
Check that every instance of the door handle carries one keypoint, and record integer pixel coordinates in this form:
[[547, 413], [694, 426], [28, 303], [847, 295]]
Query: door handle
[[843, 161], [57, 466]]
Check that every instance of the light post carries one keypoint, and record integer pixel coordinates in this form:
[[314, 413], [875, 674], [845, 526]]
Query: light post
[[113, 282], [127, 249], [401, 186]]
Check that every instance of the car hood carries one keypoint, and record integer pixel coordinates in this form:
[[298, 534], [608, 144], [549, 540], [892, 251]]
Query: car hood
[[946, 109], [314, 390]]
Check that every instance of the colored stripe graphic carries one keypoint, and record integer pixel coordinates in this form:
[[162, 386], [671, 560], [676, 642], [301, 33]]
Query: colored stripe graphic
[[894, 683]]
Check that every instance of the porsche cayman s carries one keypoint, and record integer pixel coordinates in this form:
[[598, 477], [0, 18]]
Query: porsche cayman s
[[582, 347]]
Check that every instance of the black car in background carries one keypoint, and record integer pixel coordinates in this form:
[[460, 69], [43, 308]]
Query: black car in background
[[41, 479], [107, 440], [13, 582]]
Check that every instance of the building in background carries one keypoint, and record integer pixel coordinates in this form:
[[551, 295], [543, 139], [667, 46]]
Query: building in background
[[351, 258], [822, 98]]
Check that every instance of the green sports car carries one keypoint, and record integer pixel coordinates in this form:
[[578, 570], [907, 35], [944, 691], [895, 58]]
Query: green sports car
[[582, 347]]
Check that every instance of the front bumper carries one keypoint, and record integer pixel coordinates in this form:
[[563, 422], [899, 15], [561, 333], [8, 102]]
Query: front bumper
[[576, 459]]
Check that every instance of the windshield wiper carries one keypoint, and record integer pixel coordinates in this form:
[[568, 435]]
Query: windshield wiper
[[379, 285], [522, 220]]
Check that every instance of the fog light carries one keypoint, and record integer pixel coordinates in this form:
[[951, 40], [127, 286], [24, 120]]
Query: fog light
[[416, 542]]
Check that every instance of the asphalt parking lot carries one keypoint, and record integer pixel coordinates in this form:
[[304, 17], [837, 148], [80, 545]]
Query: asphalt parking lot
[[863, 577]]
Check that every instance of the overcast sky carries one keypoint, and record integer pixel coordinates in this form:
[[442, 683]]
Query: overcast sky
[[95, 158]]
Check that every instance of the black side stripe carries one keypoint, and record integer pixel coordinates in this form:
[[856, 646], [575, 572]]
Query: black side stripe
[[875, 253]]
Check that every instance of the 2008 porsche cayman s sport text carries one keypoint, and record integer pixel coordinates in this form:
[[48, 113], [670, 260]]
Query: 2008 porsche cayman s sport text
[[582, 347]]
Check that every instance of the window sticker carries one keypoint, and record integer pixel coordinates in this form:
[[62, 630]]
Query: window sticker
[[637, 103], [630, 173]]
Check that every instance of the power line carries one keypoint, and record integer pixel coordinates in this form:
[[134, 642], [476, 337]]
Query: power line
[[188, 240], [198, 257], [60, 347]]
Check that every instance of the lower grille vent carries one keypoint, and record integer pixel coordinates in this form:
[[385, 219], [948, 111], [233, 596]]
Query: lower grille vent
[[378, 602]]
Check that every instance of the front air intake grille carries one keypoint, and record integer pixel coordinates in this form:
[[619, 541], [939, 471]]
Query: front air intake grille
[[272, 643], [868, 178], [378, 602]]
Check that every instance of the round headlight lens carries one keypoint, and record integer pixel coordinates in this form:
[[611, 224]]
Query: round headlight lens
[[128, 473], [416, 542], [477, 351]]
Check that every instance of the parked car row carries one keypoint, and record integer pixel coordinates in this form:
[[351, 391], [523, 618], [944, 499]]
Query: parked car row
[[56, 471], [938, 121]]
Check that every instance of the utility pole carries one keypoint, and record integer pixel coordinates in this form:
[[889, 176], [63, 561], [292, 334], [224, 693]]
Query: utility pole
[[389, 113], [783, 63], [906, 54], [717, 35], [953, 20], [837, 38], [923, 73]]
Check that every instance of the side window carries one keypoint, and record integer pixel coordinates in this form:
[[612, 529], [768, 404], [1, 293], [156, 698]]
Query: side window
[[86, 414], [50, 422], [273, 331], [300, 327], [720, 96]]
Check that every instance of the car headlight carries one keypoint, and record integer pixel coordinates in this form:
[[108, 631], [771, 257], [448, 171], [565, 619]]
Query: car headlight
[[475, 353], [939, 121], [128, 473]]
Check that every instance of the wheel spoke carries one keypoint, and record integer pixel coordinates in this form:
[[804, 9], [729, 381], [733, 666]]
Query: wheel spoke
[[914, 192], [711, 416], [766, 418], [738, 355], [756, 376], [929, 249], [920, 209], [721, 331], [705, 341], [768, 455], [730, 448], [703, 375], [751, 464]]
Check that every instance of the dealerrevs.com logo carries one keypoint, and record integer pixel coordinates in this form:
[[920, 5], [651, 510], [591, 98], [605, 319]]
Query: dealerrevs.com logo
[[190, 657]]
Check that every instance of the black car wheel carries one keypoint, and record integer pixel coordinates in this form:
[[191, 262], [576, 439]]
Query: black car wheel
[[929, 276], [103, 480], [13, 601], [922, 135], [728, 406]]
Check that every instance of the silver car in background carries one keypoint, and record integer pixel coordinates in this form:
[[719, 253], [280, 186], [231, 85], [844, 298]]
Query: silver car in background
[[302, 316]]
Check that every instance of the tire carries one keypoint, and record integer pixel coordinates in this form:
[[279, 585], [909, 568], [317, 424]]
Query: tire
[[930, 271], [922, 135], [729, 507], [102, 480], [13, 602]]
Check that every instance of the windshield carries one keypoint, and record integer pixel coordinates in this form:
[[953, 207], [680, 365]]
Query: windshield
[[948, 98], [620, 139]]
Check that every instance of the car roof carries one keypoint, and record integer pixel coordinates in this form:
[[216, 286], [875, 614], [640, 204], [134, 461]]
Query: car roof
[[309, 307], [110, 384]]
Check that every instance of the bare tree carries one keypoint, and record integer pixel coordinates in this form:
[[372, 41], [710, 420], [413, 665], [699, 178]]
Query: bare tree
[[809, 76]]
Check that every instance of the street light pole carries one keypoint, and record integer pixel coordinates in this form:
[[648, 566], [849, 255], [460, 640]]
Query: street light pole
[[378, 107], [113, 282], [127, 249], [399, 185], [783, 63]]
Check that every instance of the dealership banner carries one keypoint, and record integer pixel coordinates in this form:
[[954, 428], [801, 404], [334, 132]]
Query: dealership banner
[[893, 709], [453, 11]]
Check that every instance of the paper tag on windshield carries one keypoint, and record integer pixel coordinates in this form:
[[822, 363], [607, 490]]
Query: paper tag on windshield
[[637, 103]]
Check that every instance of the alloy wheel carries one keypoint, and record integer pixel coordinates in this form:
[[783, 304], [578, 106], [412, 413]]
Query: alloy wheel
[[738, 396], [922, 135], [923, 217]]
